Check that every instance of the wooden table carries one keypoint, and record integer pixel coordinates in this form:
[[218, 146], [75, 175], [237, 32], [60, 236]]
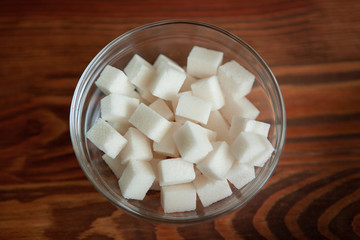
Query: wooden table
[[313, 48]]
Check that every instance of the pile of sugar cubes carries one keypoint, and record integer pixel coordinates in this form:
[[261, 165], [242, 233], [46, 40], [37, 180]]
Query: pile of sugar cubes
[[188, 134]]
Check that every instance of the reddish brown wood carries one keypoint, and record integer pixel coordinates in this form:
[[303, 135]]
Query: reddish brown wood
[[313, 48]]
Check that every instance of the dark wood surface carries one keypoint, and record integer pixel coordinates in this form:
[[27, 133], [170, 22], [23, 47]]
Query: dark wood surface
[[313, 48]]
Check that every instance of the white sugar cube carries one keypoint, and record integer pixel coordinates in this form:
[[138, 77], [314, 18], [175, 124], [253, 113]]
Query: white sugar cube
[[209, 133], [193, 108], [246, 147], [113, 80], [240, 175], [175, 100], [106, 138], [136, 180], [235, 79], [167, 146], [175, 171], [162, 58], [162, 108], [167, 81], [240, 124], [251, 148], [114, 164], [178, 198], [209, 89], [218, 124], [116, 107], [154, 164], [261, 159], [192, 142], [211, 190], [238, 107], [149, 122], [120, 125], [138, 147], [203, 62], [187, 83], [218, 162], [212, 135], [139, 72]]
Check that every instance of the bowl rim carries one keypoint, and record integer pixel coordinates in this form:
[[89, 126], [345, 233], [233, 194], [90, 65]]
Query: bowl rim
[[80, 87]]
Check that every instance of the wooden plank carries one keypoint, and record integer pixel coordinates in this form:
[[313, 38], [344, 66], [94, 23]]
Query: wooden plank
[[313, 49]]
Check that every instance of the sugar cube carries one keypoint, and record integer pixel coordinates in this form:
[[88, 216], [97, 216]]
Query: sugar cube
[[261, 159], [240, 124], [116, 107], [241, 174], [209, 133], [139, 72], [238, 107], [114, 164], [138, 147], [218, 162], [178, 198], [106, 138], [193, 108], [164, 59], [211, 190], [113, 80], [167, 81], [175, 171], [219, 125], [136, 180], [251, 148], [167, 145], [149, 122], [209, 89], [203, 62], [162, 108], [235, 79], [175, 100], [192, 142]]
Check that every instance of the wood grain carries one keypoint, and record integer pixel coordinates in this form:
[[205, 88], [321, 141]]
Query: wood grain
[[313, 48]]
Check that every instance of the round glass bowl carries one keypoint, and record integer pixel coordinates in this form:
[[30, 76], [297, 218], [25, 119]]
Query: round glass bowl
[[175, 39]]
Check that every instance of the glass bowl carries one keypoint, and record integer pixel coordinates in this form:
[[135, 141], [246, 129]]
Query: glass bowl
[[174, 38]]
